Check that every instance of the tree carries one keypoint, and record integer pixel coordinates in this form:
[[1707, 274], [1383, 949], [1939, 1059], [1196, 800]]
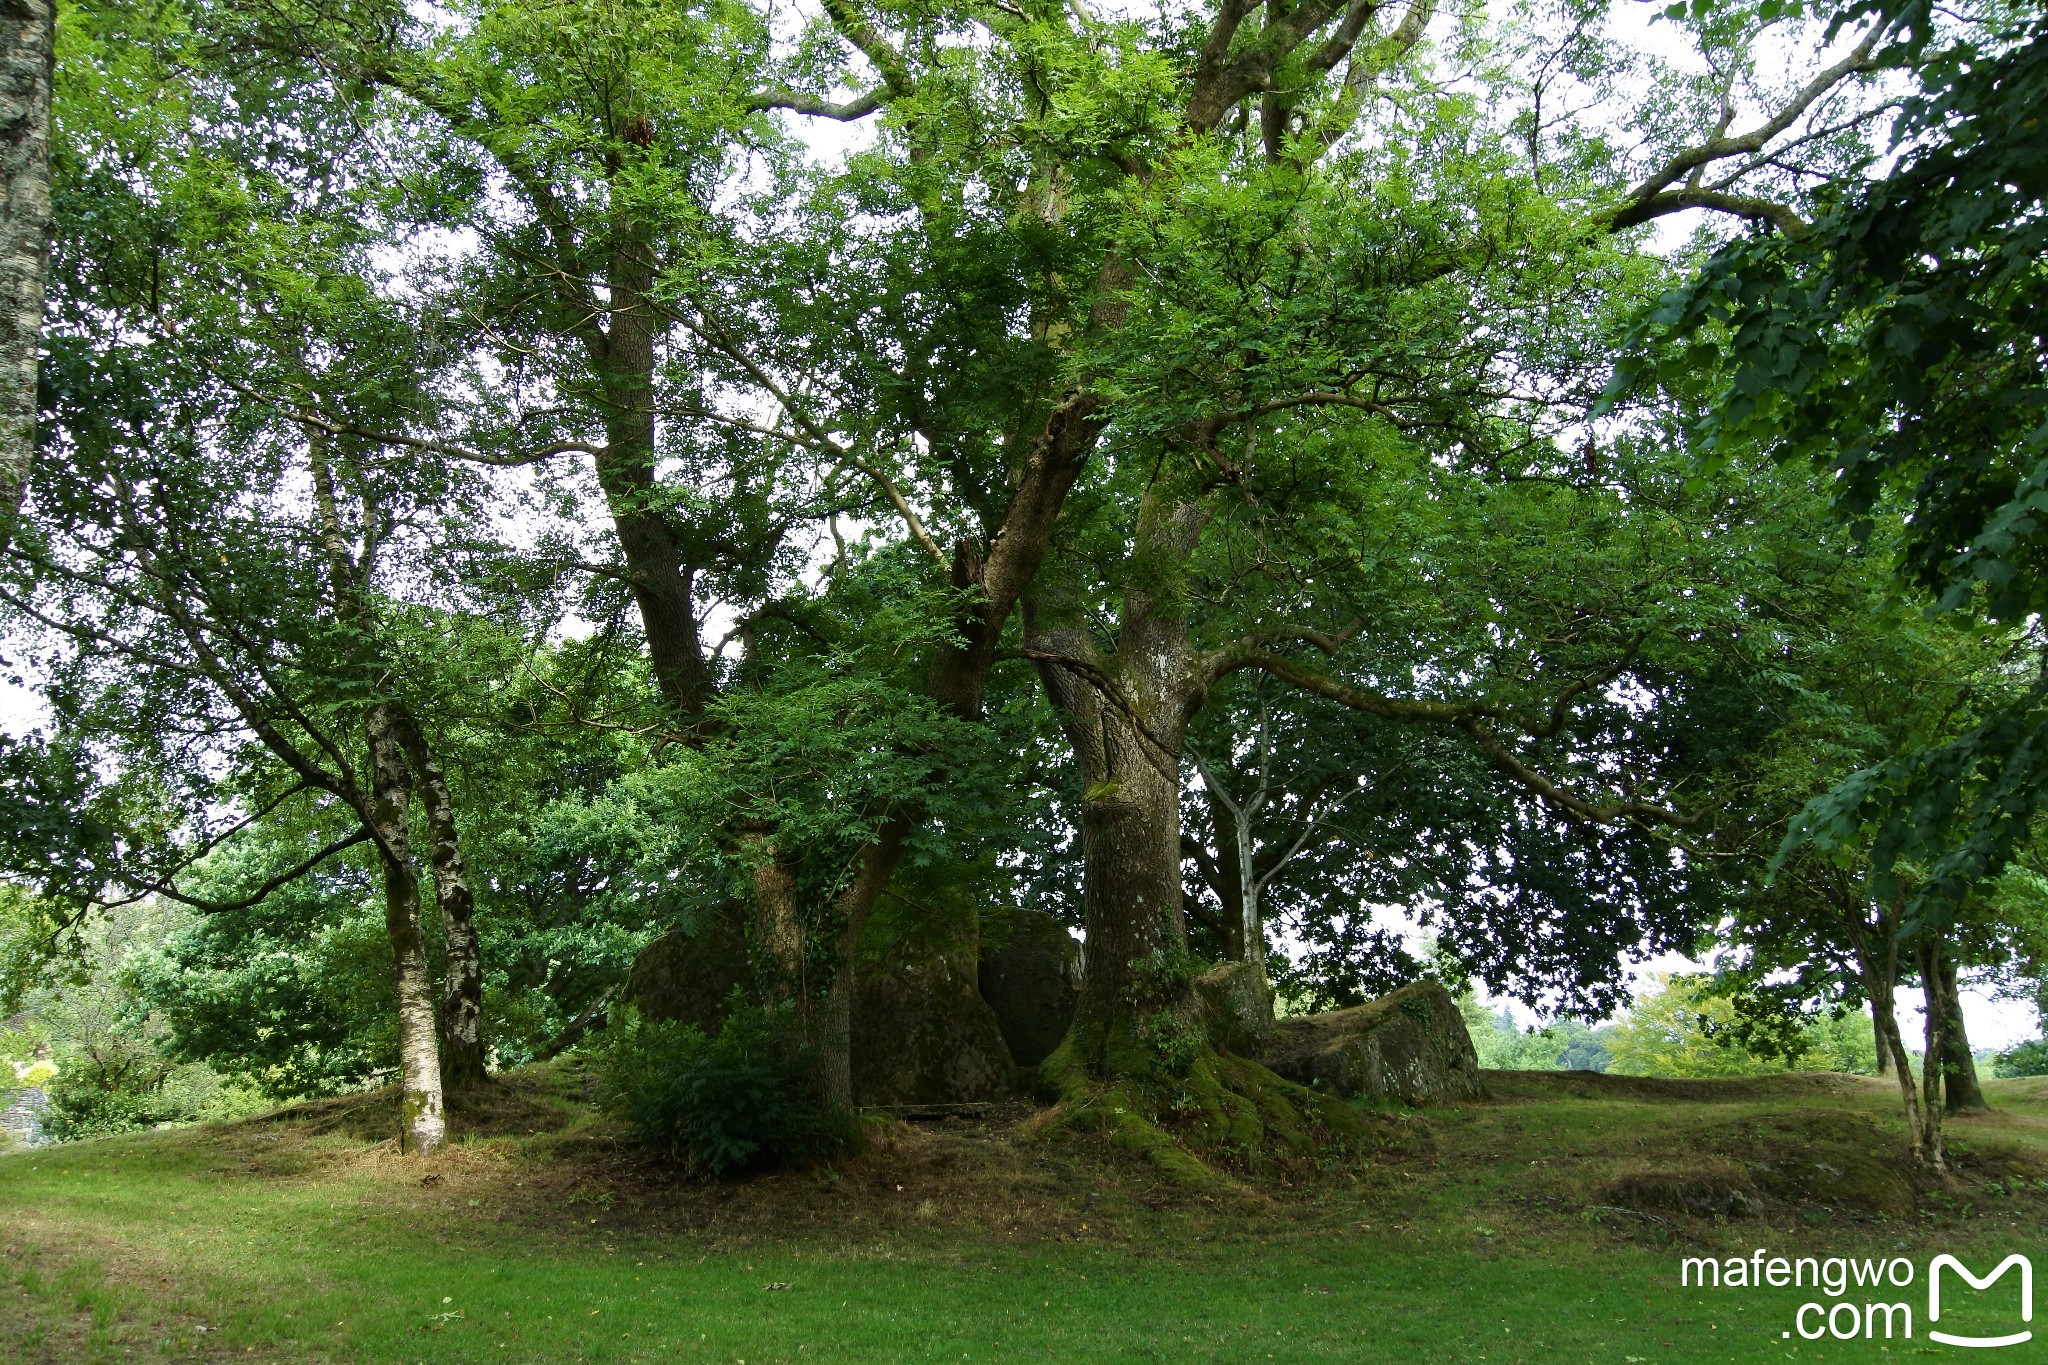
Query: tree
[[168, 556], [1127, 316], [1684, 1028], [1896, 341], [28, 47]]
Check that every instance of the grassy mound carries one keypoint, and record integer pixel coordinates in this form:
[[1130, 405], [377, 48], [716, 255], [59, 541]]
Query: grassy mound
[[1545, 1225]]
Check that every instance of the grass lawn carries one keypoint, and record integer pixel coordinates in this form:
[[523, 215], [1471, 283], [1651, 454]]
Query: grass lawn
[[1547, 1225]]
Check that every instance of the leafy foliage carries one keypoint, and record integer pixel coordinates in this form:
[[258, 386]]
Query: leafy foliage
[[1898, 343], [737, 1101], [1684, 1028]]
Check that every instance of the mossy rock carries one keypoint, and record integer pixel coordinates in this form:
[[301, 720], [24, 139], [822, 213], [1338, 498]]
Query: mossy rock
[[1410, 1046], [1031, 979], [922, 1034], [1234, 1008], [1224, 1114], [690, 976]]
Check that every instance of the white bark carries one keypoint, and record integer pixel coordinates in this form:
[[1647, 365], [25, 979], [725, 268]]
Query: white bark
[[422, 1125], [27, 44]]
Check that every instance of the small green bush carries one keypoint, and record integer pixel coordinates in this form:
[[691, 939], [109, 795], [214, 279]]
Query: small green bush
[[80, 1109], [737, 1101]]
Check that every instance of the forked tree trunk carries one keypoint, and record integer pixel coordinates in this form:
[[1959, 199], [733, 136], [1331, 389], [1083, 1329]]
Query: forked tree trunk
[[422, 1126], [27, 49], [462, 985], [1877, 961]]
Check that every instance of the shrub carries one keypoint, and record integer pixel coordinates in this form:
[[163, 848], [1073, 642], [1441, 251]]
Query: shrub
[[2028, 1059], [736, 1101]]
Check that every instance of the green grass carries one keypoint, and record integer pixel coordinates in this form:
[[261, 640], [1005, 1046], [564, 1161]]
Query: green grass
[[285, 1243]]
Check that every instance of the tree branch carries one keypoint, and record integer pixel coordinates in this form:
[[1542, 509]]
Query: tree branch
[[1654, 197], [256, 897], [816, 106], [1474, 718]]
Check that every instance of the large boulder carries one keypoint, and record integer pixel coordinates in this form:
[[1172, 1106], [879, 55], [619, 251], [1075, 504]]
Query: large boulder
[[922, 1034], [1410, 1046], [691, 976], [1235, 1008], [1031, 978]]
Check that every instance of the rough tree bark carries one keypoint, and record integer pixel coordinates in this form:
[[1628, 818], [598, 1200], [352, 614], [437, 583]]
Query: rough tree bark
[[462, 985], [1125, 717], [662, 579], [27, 52], [422, 1125], [1960, 1086]]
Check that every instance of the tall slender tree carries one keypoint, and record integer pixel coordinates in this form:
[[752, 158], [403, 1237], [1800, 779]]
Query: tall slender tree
[[28, 46]]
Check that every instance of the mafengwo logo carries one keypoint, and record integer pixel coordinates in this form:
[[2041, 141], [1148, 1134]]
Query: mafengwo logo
[[1941, 1263], [1859, 1289]]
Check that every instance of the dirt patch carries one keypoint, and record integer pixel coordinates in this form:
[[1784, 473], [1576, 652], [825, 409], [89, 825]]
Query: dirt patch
[[983, 1174]]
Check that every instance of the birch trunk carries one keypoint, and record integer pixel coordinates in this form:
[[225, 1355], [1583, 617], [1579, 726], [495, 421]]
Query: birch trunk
[[28, 31], [462, 986], [1932, 1106], [422, 1126]]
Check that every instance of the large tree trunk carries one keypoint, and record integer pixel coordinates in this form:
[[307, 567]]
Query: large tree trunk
[[661, 578], [1131, 879], [27, 50], [778, 924], [422, 1126], [462, 986], [1959, 1069], [1126, 719]]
